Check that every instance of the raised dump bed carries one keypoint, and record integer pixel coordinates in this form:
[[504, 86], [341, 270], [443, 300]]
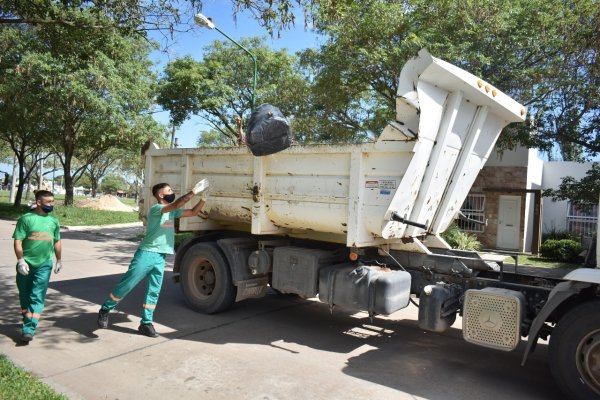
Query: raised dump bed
[[419, 170]]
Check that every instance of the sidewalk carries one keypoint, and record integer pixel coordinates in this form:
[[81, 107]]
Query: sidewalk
[[132, 231]]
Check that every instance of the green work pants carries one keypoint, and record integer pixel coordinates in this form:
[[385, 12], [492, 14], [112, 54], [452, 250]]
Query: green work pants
[[32, 294], [145, 264]]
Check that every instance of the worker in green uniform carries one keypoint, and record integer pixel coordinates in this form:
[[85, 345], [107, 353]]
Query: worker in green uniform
[[37, 240], [149, 259]]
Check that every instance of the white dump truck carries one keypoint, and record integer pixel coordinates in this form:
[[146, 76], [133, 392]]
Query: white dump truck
[[358, 226]]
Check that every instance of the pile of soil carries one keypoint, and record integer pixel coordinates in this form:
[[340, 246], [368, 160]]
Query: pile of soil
[[106, 202]]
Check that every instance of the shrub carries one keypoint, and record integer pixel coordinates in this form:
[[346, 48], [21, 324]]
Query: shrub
[[561, 250], [458, 239], [555, 234]]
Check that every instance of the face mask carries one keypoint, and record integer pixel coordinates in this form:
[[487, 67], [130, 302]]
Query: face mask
[[169, 197], [47, 209]]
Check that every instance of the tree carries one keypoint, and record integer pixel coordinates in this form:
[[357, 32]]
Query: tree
[[101, 166], [139, 16], [131, 163], [583, 191], [85, 181], [129, 17], [6, 155], [518, 47], [219, 88], [94, 88], [213, 138], [180, 89], [21, 119], [113, 183]]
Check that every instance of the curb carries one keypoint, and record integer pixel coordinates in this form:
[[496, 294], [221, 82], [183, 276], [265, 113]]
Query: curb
[[98, 227]]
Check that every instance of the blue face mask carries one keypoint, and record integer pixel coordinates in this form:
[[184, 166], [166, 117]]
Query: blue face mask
[[169, 197], [47, 209]]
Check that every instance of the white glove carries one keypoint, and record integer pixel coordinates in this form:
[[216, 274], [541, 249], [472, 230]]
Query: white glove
[[205, 194], [22, 267], [200, 186], [57, 266]]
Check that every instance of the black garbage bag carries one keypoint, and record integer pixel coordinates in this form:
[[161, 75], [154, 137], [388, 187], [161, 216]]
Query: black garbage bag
[[268, 131]]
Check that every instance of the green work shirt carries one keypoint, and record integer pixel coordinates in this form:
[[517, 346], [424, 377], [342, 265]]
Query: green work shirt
[[160, 234], [38, 233]]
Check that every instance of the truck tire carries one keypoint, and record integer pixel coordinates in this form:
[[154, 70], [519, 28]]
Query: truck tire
[[574, 352], [205, 279]]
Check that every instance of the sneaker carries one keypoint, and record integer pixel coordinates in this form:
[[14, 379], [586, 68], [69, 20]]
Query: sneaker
[[26, 337], [103, 319], [147, 330]]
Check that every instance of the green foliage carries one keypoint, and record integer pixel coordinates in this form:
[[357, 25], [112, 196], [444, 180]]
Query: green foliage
[[213, 138], [18, 384], [128, 17], [523, 48], [9, 211], [556, 234], [458, 239], [112, 183], [84, 180], [84, 92], [180, 88], [584, 190], [561, 250], [219, 88]]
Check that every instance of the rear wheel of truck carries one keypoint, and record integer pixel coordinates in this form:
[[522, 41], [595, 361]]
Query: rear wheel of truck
[[205, 279], [574, 352]]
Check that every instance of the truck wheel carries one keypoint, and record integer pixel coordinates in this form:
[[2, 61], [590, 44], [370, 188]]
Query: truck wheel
[[574, 352], [206, 279]]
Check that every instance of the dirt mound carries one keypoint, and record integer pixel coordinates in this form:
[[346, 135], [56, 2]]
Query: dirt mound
[[107, 202]]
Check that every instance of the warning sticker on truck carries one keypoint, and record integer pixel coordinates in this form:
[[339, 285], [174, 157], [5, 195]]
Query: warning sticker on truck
[[388, 184]]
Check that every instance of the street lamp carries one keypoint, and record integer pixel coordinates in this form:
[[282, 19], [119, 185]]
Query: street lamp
[[204, 22]]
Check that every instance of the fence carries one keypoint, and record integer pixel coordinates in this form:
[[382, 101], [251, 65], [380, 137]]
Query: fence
[[473, 208], [583, 219]]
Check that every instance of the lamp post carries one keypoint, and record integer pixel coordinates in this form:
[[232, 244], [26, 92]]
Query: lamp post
[[205, 22]]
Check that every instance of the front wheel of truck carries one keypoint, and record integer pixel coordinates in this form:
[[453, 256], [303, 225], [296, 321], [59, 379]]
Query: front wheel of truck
[[205, 279], [574, 352]]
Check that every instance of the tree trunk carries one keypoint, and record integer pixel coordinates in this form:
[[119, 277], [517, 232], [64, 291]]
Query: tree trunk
[[94, 184], [19, 195], [68, 181]]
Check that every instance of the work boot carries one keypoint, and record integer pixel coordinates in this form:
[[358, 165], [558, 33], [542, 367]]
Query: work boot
[[147, 330], [103, 319], [26, 337]]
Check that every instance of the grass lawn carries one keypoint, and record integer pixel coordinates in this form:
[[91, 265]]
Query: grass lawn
[[71, 216], [541, 262], [17, 384]]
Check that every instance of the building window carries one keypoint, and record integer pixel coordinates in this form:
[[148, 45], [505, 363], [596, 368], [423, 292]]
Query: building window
[[582, 219], [474, 209]]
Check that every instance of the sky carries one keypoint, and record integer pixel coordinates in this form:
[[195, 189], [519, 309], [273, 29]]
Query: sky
[[192, 43]]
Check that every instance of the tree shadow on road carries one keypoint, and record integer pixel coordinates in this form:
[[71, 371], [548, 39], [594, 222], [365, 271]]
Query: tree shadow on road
[[112, 251], [388, 351]]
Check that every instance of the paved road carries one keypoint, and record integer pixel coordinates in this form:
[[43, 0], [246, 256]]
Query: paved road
[[278, 347]]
